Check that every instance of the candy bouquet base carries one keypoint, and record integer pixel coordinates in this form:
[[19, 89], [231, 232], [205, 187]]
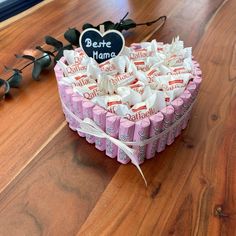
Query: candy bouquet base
[[131, 106]]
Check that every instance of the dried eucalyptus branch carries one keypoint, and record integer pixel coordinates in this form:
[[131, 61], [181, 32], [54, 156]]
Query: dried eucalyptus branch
[[72, 36]]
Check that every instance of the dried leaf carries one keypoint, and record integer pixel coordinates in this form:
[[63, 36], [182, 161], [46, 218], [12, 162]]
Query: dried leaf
[[36, 70], [45, 61], [127, 24], [53, 42], [29, 57], [4, 88], [44, 51], [87, 26], [15, 80], [60, 52], [72, 36]]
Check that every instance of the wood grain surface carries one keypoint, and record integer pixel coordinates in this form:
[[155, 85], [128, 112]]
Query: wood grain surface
[[52, 182]]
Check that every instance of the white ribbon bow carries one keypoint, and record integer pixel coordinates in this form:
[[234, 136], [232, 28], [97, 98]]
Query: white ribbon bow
[[88, 126]]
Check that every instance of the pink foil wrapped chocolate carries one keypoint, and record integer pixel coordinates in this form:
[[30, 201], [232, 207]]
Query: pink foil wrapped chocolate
[[141, 132], [192, 88], [99, 117], [168, 113], [197, 81], [178, 104], [112, 129], [126, 133], [66, 97], [156, 126], [77, 109], [187, 99], [88, 113]]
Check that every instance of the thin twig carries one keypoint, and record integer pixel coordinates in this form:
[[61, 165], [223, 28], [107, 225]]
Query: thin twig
[[154, 21], [118, 25]]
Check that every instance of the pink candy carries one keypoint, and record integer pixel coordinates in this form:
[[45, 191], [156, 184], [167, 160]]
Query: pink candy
[[141, 132], [87, 108], [168, 113], [156, 126], [112, 129], [77, 109], [99, 117], [126, 132]]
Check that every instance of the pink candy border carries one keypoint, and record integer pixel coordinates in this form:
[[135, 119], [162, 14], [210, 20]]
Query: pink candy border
[[126, 130]]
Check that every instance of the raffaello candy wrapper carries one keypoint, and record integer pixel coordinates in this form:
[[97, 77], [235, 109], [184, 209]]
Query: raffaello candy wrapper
[[143, 109], [77, 68], [109, 84], [88, 91], [73, 65], [77, 81], [71, 70], [134, 93], [142, 65], [115, 65], [109, 102], [74, 56], [171, 82]]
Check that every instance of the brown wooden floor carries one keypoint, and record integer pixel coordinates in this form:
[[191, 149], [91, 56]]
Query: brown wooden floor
[[53, 183]]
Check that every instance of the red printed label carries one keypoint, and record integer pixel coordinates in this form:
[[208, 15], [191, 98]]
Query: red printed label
[[139, 63], [113, 103], [140, 115], [144, 107], [80, 77], [177, 81]]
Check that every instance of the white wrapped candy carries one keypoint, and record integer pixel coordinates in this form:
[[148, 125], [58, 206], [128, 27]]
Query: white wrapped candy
[[76, 68], [143, 109], [134, 93], [109, 84], [108, 102], [88, 91], [73, 57], [79, 80], [171, 82], [115, 65]]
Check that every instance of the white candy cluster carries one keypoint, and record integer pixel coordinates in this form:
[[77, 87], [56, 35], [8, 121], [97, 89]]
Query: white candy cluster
[[145, 78]]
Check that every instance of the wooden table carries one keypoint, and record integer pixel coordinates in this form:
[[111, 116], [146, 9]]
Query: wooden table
[[54, 183]]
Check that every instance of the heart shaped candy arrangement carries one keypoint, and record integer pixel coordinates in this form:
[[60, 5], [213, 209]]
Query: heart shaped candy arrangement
[[142, 80], [140, 99]]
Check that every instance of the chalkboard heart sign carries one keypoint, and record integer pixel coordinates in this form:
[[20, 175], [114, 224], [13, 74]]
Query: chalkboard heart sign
[[100, 46]]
